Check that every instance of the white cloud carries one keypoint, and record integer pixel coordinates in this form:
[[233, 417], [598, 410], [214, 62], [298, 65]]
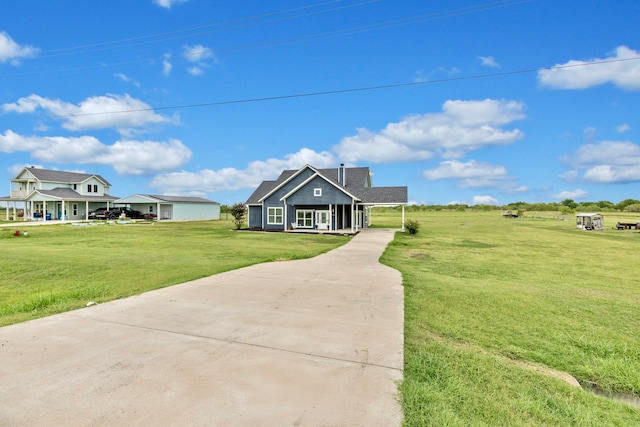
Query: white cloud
[[195, 71], [574, 195], [484, 200], [570, 176], [198, 55], [619, 69], [607, 162], [474, 174], [12, 52], [623, 128], [127, 157], [168, 3], [121, 112], [209, 181], [127, 79], [166, 64], [469, 170], [462, 126], [489, 61]]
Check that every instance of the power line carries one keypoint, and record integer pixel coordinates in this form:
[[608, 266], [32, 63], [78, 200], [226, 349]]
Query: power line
[[137, 39], [293, 40], [356, 89]]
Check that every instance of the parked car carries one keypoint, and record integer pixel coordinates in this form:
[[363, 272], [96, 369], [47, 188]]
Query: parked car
[[100, 213], [115, 213]]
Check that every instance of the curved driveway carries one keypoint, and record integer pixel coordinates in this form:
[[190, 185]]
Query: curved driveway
[[315, 342]]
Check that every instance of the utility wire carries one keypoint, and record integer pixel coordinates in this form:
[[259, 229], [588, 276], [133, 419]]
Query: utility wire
[[357, 89], [305, 38], [96, 47]]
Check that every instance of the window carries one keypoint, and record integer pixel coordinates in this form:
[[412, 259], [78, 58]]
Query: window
[[304, 218], [317, 192], [274, 216], [95, 188], [74, 208], [89, 187], [75, 186]]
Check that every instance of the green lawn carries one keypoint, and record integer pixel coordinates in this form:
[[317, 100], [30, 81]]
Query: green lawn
[[58, 268], [487, 300], [487, 296]]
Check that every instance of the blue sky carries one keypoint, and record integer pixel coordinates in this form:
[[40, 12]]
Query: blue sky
[[462, 101]]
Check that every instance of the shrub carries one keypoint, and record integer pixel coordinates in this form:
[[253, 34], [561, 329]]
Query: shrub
[[238, 212], [412, 226]]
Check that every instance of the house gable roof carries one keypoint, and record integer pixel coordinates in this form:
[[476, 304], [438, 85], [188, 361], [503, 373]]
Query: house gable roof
[[357, 186], [285, 177], [70, 195], [311, 178], [47, 175]]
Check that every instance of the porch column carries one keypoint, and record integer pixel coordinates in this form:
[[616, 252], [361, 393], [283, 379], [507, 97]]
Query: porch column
[[44, 210], [6, 210], [158, 211], [353, 217], [86, 210], [330, 217], [286, 221]]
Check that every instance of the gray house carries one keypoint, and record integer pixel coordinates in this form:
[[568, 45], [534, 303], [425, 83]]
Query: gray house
[[320, 199]]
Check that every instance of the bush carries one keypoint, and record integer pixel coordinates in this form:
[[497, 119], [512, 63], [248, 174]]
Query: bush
[[412, 226], [238, 212]]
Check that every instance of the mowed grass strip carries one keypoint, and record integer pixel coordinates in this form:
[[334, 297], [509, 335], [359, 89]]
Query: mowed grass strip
[[486, 297], [57, 268]]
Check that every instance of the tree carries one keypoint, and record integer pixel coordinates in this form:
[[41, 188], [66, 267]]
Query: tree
[[569, 203], [238, 211], [626, 202]]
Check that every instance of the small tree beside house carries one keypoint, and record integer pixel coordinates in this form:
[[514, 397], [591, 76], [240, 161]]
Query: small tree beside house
[[238, 211]]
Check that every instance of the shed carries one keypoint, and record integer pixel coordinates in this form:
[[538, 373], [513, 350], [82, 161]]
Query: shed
[[590, 221], [174, 208]]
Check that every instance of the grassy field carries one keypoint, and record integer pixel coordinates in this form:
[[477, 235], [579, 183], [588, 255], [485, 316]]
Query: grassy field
[[494, 307], [57, 268]]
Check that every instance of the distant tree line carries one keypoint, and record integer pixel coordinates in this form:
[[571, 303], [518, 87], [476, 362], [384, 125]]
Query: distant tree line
[[566, 206]]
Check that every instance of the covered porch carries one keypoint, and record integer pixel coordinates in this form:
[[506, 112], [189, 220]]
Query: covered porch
[[339, 219]]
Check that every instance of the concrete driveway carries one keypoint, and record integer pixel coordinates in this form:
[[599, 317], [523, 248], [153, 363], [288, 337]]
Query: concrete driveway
[[315, 342]]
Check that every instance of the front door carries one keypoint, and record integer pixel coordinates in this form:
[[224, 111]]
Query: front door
[[322, 220]]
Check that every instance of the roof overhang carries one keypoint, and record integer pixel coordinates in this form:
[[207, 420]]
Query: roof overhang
[[311, 178]]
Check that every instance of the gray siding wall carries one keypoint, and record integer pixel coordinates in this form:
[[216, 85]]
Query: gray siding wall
[[255, 216], [274, 199], [330, 194]]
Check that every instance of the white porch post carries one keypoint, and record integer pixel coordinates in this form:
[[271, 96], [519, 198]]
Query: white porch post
[[353, 216], [286, 222], [158, 211], [44, 210], [86, 210], [330, 217]]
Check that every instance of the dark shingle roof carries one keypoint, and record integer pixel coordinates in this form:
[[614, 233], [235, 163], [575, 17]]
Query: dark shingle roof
[[384, 195], [62, 176], [69, 194], [358, 183]]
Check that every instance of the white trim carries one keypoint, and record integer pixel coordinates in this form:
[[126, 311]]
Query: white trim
[[275, 215], [312, 177], [279, 186]]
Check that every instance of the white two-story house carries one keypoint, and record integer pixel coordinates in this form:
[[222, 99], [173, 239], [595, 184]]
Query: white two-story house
[[49, 194]]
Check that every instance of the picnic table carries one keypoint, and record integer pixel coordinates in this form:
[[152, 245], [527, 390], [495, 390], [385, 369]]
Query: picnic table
[[628, 225]]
